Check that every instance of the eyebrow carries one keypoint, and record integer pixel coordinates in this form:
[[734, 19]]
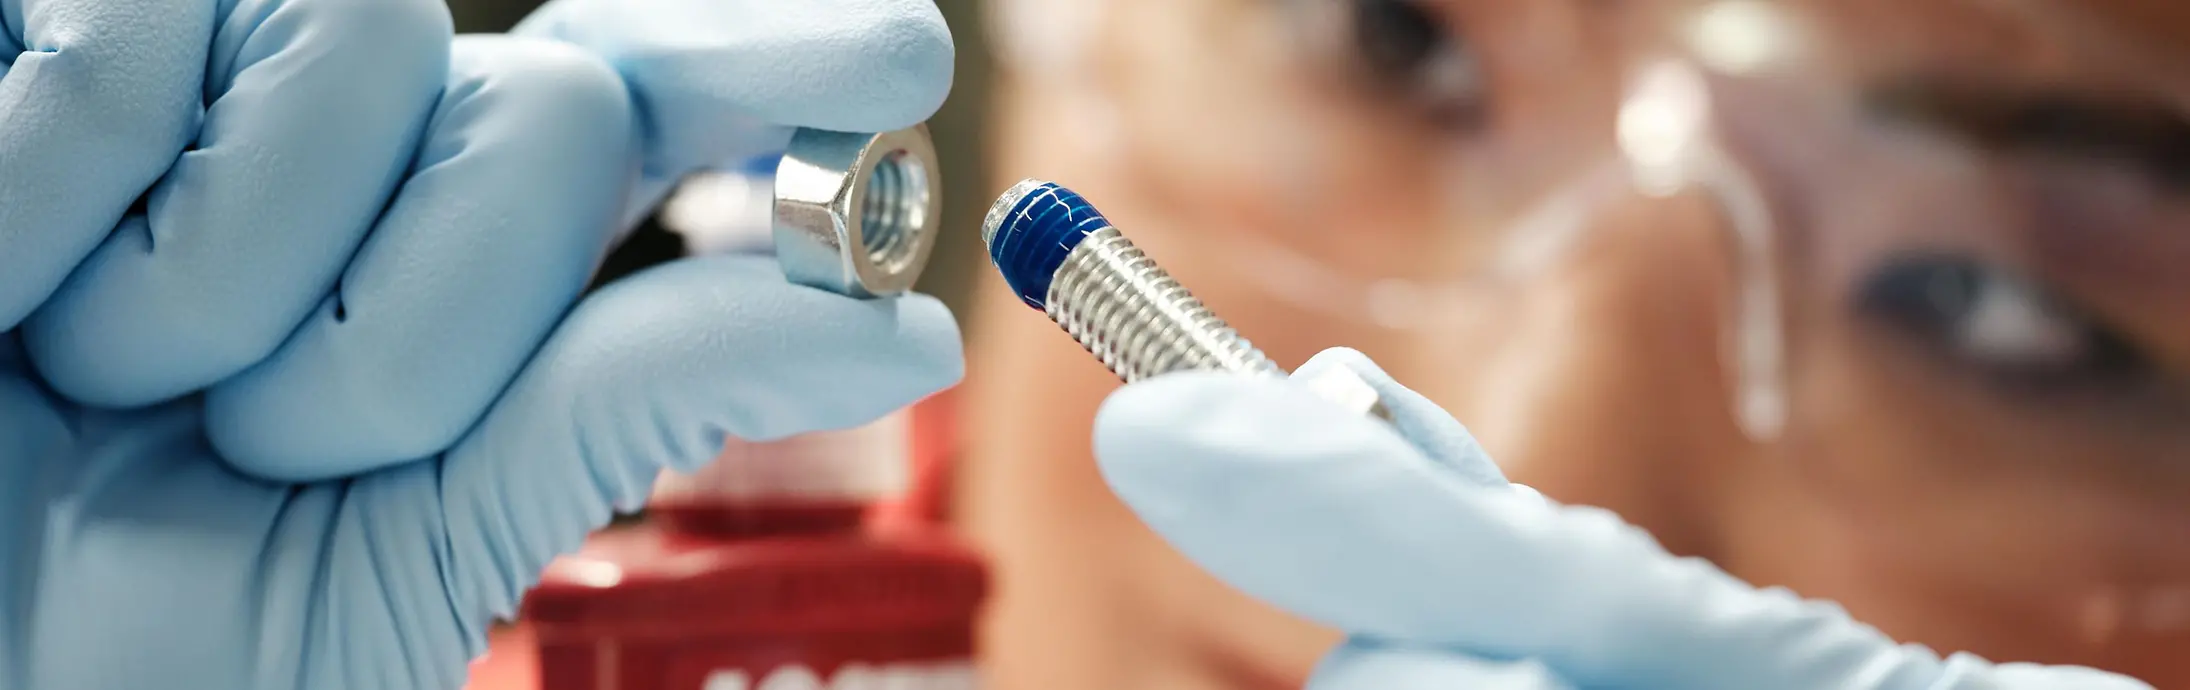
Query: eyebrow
[[2147, 134]]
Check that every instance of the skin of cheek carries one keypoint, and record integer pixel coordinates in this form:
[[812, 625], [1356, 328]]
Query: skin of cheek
[[1271, 148], [1918, 503], [1599, 382], [1602, 386]]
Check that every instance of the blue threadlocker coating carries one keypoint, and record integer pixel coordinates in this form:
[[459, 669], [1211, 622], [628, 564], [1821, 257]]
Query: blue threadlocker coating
[[1061, 256], [1035, 234]]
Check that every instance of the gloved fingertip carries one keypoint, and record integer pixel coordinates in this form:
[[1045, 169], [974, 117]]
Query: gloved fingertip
[[1350, 358], [1368, 665], [1422, 421], [862, 65], [1977, 673], [909, 56], [867, 66], [709, 72]]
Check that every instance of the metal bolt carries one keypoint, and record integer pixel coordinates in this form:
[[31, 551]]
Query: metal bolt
[[1063, 257], [856, 214]]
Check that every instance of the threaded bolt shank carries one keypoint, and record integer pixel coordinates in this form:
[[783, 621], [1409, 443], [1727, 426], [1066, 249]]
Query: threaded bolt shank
[[1061, 256]]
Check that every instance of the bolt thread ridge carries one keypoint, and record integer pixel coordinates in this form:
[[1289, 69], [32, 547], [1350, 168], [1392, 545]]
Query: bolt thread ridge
[[1137, 320]]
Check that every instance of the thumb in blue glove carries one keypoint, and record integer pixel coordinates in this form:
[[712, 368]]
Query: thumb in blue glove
[[1447, 576], [718, 80]]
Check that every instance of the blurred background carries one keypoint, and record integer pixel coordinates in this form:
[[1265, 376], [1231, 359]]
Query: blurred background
[[1880, 301]]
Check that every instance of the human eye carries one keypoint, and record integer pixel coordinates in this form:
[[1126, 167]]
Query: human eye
[[2005, 327], [1404, 49]]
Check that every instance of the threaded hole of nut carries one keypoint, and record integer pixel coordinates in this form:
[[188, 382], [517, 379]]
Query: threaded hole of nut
[[895, 211]]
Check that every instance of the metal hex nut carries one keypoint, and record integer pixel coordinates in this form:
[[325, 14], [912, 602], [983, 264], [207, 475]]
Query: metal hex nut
[[857, 214]]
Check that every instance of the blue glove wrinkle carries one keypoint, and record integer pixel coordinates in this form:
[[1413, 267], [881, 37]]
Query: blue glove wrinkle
[[1362, 664], [464, 276], [299, 150], [388, 554], [128, 541], [650, 374], [13, 364], [1428, 426], [95, 111], [1330, 516], [32, 429]]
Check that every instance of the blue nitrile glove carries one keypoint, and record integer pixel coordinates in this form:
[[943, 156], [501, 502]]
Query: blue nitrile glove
[[321, 407], [1449, 578]]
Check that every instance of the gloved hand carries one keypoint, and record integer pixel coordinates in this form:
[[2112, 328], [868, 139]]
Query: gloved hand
[[292, 389], [1447, 577]]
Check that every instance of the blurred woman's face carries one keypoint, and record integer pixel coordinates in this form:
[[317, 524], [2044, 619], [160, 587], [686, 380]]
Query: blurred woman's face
[[1945, 247]]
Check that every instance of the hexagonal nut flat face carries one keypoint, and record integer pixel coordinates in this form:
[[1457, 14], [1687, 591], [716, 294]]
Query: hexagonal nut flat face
[[856, 214]]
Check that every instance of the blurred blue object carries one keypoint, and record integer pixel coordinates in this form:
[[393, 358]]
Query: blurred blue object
[[762, 166], [316, 411], [1407, 537]]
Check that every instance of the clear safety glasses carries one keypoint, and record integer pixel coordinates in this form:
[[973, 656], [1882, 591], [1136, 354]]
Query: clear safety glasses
[[1994, 153], [1961, 234]]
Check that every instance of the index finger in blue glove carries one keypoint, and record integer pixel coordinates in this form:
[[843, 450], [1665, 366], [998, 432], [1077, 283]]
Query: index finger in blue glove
[[102, 96], [720, 79], [315, 110], [488, 244], [1422, 422], [1333, 516], [1982, 676]]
